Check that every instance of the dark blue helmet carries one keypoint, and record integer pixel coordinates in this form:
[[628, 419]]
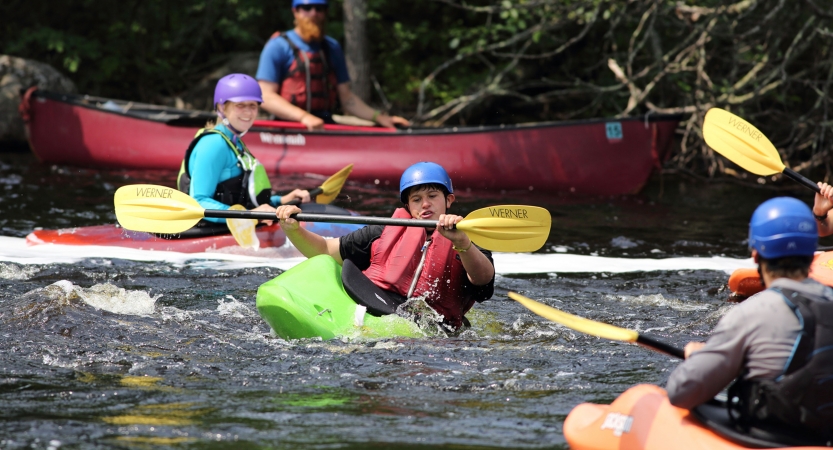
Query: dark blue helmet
[[783, 226], [295, 3]]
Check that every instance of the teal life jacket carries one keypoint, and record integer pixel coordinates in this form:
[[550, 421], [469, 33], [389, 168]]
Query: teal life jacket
[[250, 189]]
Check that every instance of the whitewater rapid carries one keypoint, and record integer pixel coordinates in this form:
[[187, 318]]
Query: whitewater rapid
[[15, 250]]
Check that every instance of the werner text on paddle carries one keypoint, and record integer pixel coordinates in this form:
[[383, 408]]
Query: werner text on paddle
[[153, 192], [746, 128], [507, 213]]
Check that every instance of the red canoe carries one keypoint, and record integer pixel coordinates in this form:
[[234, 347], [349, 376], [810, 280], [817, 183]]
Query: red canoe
[[595, 157]]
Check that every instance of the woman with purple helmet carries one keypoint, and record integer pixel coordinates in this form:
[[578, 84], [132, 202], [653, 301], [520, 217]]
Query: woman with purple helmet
[[218, 169]]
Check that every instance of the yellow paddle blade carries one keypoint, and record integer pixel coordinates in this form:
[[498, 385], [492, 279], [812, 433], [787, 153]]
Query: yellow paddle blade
[[155, 209], [332, 186], [508, 228], [741, 143], [577, 323], [243, 230]]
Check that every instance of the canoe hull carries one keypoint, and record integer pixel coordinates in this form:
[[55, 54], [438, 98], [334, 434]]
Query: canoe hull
[[595, 157], [309, 301], [640, 418]]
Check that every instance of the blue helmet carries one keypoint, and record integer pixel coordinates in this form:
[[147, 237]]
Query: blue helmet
[[783, 226], [424, 173], [295, 3]]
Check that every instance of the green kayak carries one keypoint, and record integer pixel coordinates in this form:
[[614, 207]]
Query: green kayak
[[309, 300]]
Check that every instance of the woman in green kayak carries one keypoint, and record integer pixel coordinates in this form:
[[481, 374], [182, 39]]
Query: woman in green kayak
[[218, 169], [442, 266]]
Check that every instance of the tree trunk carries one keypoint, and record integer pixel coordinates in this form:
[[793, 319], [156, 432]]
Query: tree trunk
[[355, 46]]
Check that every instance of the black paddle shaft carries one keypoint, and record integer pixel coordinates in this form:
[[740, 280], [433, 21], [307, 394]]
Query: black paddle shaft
[[660, 346], [312, 194], [326, 218], [802, 179]]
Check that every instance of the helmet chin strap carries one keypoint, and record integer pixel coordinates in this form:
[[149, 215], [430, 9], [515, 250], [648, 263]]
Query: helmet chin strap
[[237, 133]]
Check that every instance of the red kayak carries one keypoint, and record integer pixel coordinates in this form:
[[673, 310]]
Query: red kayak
[[643, 418], [209, 238], [115, 236], [595, 157]]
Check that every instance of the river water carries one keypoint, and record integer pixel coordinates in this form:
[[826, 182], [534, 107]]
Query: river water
[[108, 349]]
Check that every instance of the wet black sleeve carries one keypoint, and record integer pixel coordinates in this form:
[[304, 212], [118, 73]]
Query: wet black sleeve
[[484, 292], [355, 246]]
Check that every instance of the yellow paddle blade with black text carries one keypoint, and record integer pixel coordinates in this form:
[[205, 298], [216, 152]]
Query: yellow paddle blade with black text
[[741, 143], [156, 209], [332, 186], [576, 323], [508, 228]]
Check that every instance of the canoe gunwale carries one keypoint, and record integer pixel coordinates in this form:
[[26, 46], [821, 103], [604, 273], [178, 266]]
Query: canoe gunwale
[[192, 118]]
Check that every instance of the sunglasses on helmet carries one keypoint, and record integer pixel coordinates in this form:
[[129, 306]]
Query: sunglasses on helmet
[[318, 8]]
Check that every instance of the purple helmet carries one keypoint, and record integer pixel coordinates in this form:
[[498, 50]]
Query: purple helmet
[[237, 87]]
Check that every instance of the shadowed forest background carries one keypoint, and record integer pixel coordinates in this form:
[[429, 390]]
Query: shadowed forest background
[[480, 62]]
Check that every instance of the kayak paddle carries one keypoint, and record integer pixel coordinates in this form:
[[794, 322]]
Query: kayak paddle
[[594, 328], [329, 189], [159, 209], [243, 230], [744, 145]]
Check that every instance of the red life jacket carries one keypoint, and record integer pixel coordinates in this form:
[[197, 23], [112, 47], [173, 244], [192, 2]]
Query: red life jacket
[[394, 259], [311, 82]]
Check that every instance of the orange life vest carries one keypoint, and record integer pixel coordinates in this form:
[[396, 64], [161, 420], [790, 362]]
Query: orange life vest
[[395, 257]]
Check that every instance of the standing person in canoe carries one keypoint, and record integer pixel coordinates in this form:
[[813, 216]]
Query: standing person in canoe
[[776, 345], [218, 170], [303, 73], [441, 265]]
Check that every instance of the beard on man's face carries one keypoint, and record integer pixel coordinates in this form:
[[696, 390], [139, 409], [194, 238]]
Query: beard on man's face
[[310, 30]]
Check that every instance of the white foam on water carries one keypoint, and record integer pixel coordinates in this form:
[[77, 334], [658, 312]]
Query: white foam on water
[[117, 300], [16, 251], [520, 263], [234, 308], [658, 300], [16, 272]]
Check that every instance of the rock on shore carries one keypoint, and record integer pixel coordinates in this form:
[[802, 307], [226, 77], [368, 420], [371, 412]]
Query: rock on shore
[[18, 74]]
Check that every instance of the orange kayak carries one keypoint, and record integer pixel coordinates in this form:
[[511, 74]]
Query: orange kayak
[[643, 418], [746, 282]]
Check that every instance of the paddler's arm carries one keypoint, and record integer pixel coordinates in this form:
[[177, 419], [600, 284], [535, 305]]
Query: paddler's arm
[[478, 267], [710, 368], [354, 105], [821, 209], [307, 242], [206, 165]]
